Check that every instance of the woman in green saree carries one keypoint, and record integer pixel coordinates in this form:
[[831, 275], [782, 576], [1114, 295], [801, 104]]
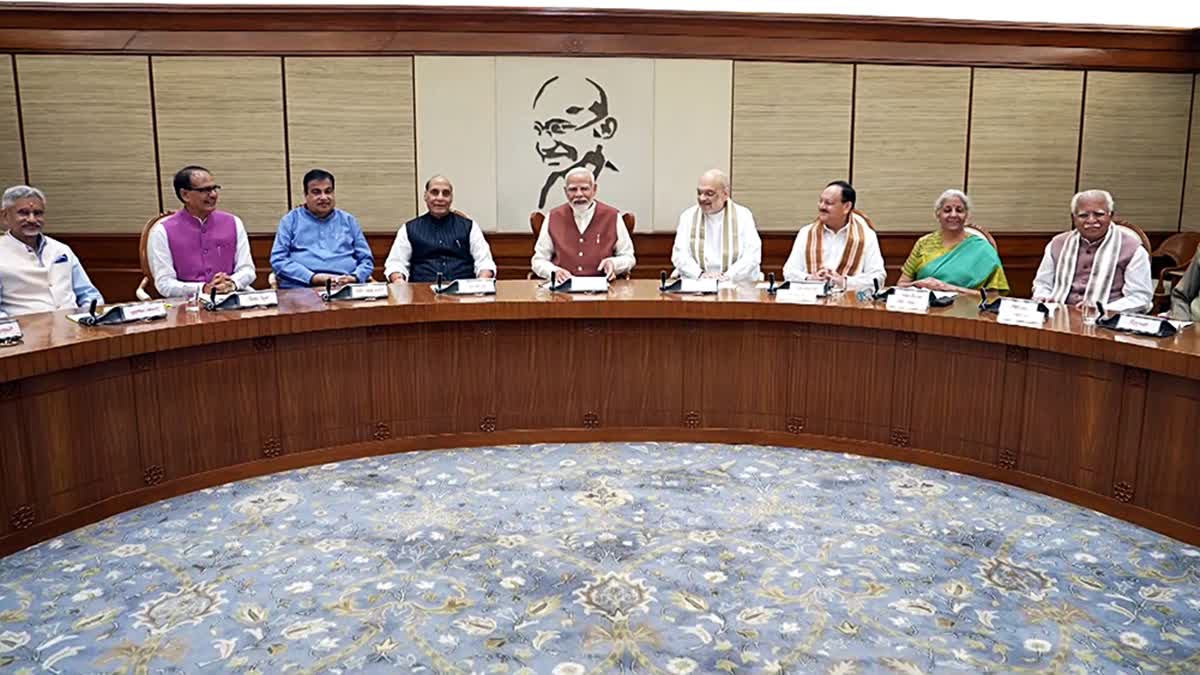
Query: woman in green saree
[[955, 257]]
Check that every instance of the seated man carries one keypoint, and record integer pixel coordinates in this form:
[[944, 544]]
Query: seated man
[[839, 247], [1096, 261], [37, 273], [1185, 295], [442, 241], [317, 242], [717, 238], [199, 247], [584, 237]]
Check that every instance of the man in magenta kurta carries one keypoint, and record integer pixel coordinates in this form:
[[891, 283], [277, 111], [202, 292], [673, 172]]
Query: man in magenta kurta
[[199, 248]]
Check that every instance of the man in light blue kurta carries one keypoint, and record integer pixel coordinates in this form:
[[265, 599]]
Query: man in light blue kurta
[[318, 242]]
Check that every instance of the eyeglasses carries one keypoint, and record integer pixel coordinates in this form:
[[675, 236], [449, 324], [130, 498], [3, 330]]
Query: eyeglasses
[[206, 188]]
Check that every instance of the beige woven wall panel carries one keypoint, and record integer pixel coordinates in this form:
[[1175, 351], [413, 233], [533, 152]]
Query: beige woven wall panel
[[910, 141], [89, 140], [1191, 203], [11, 170], [225, 114], [365, 139], [791, 136], [1024, 147], [1134, 132]]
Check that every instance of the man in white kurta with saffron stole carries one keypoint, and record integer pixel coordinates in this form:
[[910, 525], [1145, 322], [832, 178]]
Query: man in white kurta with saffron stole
[[1097, 261], [840, 247], [717, 238]]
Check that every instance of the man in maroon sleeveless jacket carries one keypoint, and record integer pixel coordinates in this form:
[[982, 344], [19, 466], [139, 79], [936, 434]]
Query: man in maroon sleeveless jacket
[[584, 237], [199, 247]]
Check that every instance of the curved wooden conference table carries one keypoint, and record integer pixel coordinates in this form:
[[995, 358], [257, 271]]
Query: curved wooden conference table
[[99, 420]]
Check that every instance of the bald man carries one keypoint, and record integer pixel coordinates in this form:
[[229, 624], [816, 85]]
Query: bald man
[[717, 238], [440, 241]]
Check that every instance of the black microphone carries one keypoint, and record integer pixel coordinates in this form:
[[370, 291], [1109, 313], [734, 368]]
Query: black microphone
[[92, 308], [1100, 309], [771, 283], [212, 297], [439, 281], [328, 289], [662, 280], [875, 295]]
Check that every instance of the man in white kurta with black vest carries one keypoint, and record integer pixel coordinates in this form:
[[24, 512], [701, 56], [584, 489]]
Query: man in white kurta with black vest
[[584, 237], [37, 273], [717, 238]]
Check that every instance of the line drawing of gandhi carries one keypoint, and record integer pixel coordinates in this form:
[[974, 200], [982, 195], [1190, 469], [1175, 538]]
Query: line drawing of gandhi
[[571, 115]]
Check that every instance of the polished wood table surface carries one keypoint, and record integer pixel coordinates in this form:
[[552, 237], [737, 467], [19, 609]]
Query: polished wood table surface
[[99, 420]]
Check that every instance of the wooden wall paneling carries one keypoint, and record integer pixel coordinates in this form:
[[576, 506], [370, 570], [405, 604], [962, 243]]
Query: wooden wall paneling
[[82, 447], [156, 446], [1190, 218], [942, 417], [1081, 449], [901, 404], [14, 458], [561, 346], [226, 114], [849, 382], [799, 378], [204, 432], [636, 354], [1169, 459], [354, 118], [744, 369], [396, 351], [1134, 128], [1024, 147], [1125, 483], [455, 389], [910, 136], [791, 137], [1011, 437], [328, 361], [690, 337], [88, 132], [12, 167]]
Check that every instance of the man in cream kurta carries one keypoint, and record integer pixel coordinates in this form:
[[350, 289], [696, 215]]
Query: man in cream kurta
[[717, 238], [37, 273], [839, 247]]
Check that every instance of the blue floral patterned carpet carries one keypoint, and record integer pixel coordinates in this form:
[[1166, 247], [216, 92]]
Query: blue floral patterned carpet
[[568, 559]]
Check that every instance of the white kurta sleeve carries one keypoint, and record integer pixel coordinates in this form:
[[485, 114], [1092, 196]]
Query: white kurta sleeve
[[796, 267], [243, 266], [748, 266], [681, 253], [1138, 293], [1043, 282], [400, 255], [480, 251]]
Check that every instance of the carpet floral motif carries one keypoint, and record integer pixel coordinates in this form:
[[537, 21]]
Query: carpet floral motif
[[594, 558]]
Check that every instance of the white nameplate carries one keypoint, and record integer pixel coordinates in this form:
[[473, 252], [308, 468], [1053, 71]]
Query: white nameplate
[[1136, 323], [474, 286], [10, 330], [800, 294], [144, 310], [1018, 312], [915, 300], [257, 299], [589, 285], [698, 285], [368, 291]]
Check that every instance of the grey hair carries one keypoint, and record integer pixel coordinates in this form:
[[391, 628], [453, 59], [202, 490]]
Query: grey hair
[[722, 179], [952, 194], [1093, 194], [580, 171], [17, 192]]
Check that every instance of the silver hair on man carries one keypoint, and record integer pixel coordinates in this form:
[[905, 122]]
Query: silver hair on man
[[1093, 194], [18, 192]]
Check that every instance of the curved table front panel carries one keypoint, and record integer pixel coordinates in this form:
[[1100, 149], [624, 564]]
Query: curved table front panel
[[99, 420]]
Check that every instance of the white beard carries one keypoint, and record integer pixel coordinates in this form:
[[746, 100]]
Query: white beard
[[580, 209]]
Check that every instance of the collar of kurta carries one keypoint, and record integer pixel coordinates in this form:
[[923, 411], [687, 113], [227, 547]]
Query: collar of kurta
[[729, 236]]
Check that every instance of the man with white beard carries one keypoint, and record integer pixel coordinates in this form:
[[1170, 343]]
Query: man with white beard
[[583, 237]]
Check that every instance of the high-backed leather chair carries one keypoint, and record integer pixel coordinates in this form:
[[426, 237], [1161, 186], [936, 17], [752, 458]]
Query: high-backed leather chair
[[146, 289]]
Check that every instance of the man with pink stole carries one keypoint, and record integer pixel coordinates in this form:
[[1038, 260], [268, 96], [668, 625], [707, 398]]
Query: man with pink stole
[[584, 237], [199, 248]]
